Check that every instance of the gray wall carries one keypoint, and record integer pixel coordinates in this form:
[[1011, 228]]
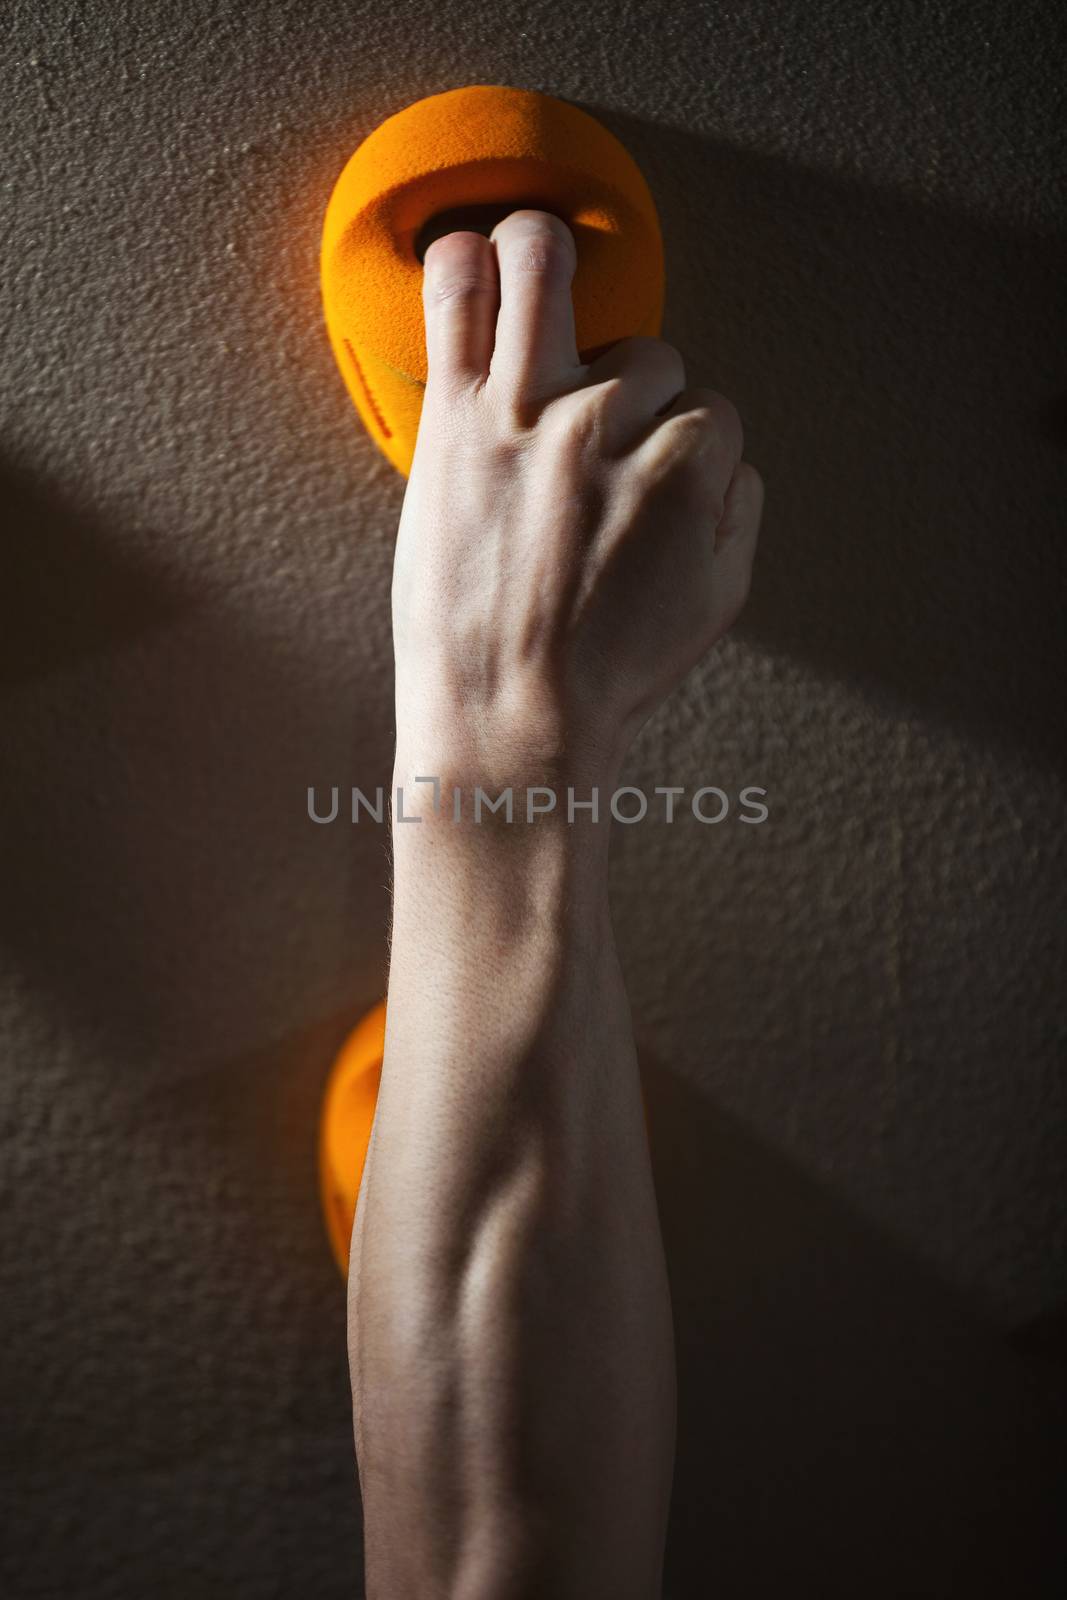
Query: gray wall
[[850, 1017]]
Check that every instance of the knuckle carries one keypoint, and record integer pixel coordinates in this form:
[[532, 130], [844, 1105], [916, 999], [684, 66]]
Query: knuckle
[[570, 431], [575, 432], [543, 257], [537, 243], [678, 463], [666, 357], [456, 286], [457, 267], [690, 431], [584, 408], [647, 354], [706, 418], [722, 418]]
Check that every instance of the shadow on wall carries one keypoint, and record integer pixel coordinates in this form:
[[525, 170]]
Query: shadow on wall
[[845, 1427], [63, 594], [896, 369], [157, 860], [180, 1402]]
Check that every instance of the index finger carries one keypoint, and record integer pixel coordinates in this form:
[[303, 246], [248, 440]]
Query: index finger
[[460, 294]]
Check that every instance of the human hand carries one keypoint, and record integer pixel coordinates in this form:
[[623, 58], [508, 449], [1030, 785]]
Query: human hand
[[574, 537]]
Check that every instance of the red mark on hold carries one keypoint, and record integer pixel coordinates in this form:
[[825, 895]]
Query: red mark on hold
[[383, 426]]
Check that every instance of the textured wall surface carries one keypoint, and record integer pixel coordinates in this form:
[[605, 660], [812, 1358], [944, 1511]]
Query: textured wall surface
[[851, 1017]]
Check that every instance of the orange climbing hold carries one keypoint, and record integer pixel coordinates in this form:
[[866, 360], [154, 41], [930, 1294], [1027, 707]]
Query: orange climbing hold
[[481, 146], [345, 1128]]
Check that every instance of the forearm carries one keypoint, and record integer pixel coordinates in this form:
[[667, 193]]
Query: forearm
[[575, 536], [511, 1339]]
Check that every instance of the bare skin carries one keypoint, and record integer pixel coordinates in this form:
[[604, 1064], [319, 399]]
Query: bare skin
[[574, 538]]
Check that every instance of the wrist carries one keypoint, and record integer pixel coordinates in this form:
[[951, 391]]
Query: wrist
[[525, 795], [508, 853], [522, 735]]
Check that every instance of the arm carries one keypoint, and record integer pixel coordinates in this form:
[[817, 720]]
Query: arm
[[565, 555]]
